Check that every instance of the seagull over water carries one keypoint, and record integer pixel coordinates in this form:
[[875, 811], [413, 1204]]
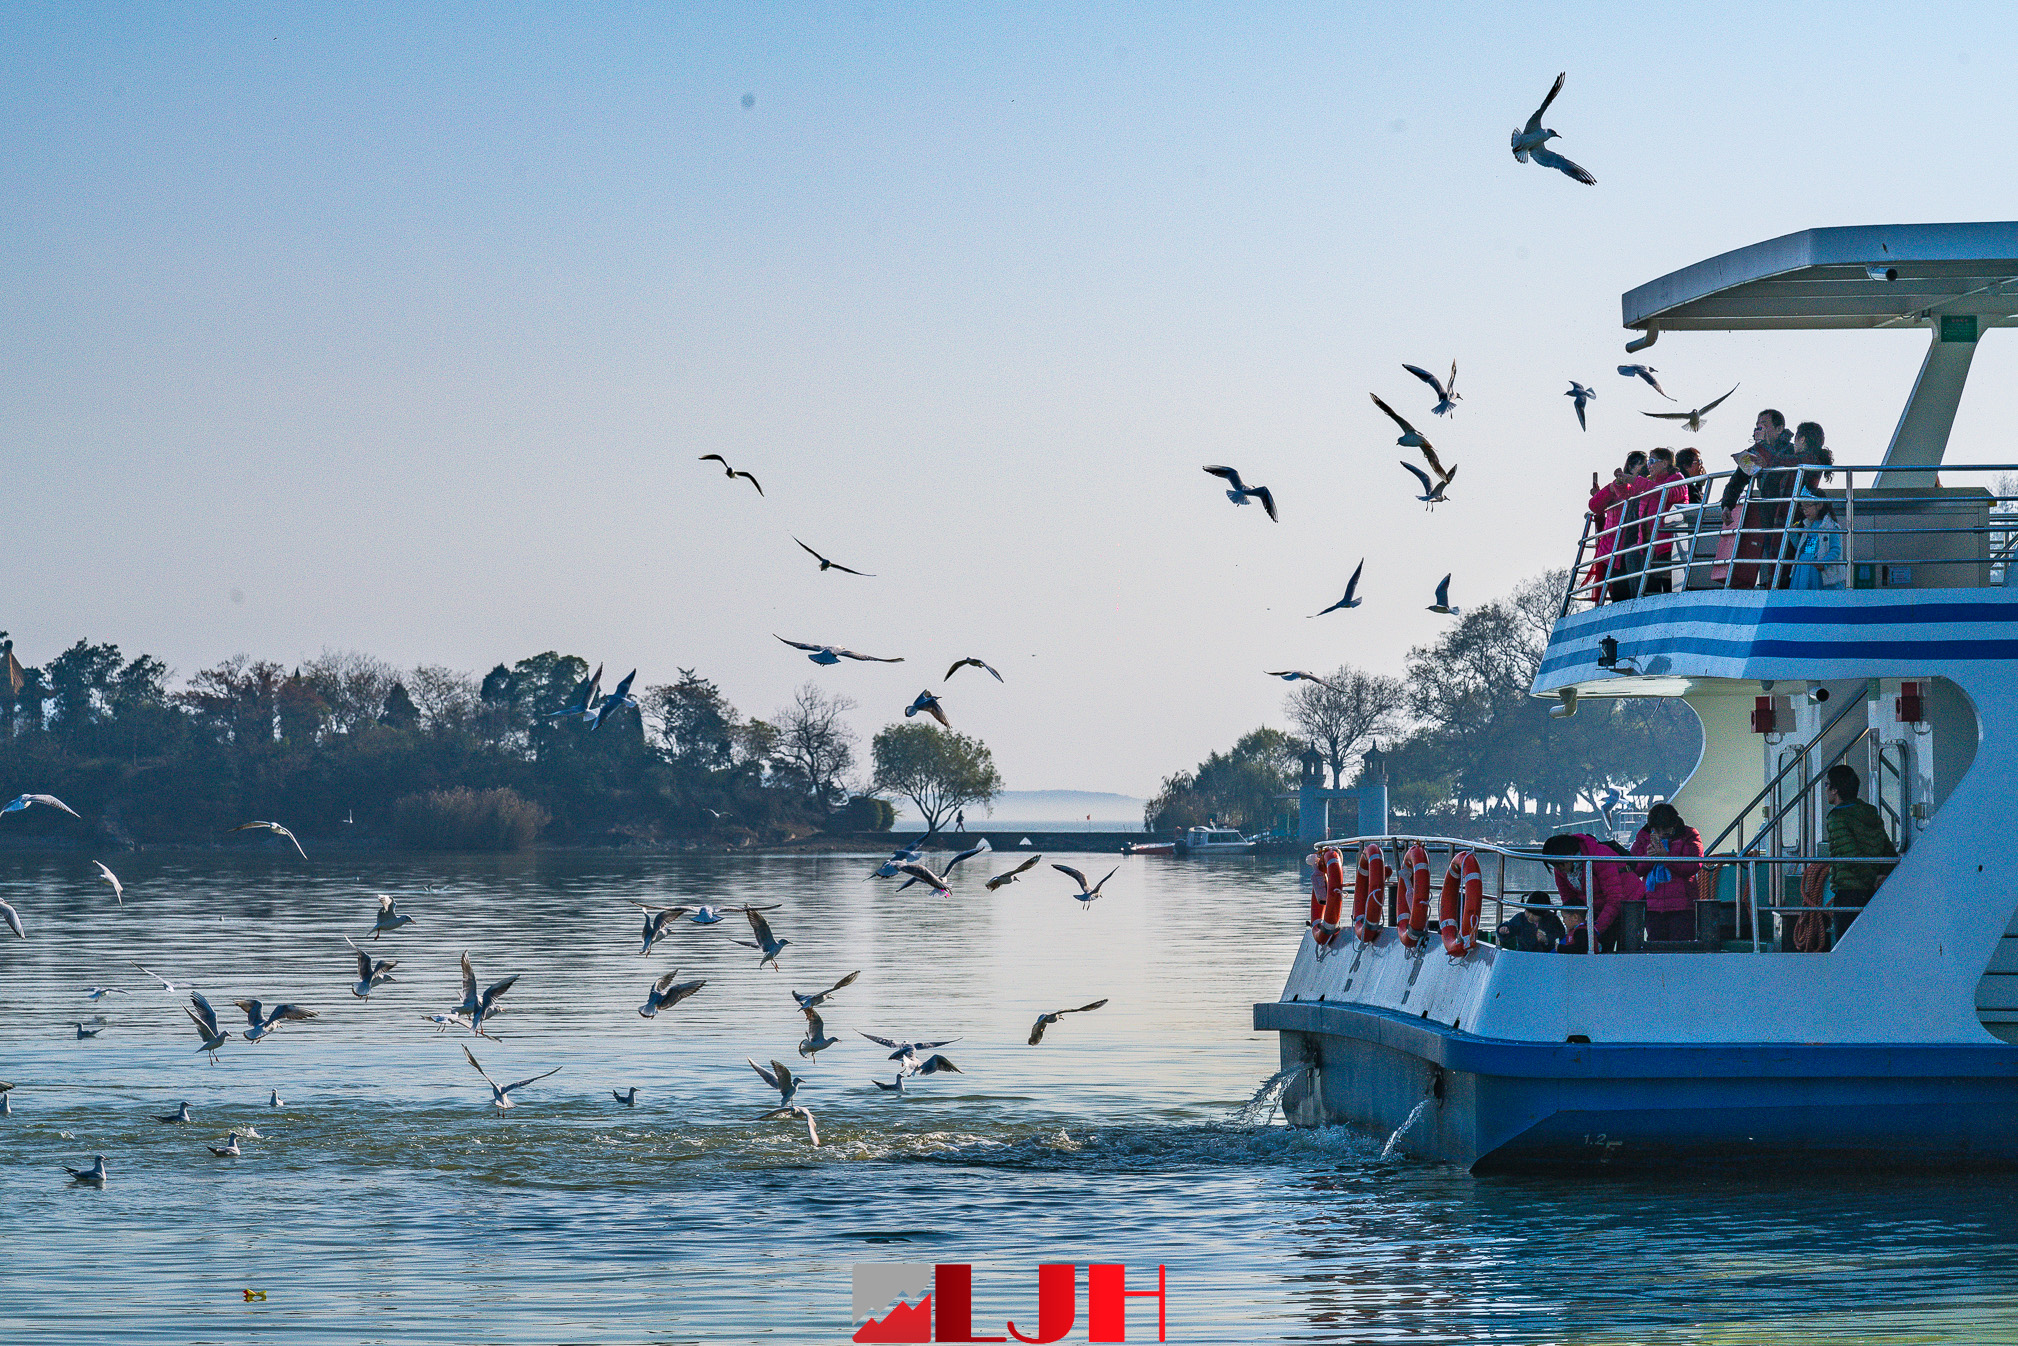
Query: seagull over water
[[1085, 895], [1008, 876], [1694, 419], [706, 915], [273, 1099], [1531, 141], [929, 704], [277, 830], [812, 1131], [666, 993], [229, 1150], [100, 992], [826, 565], [476, 1004], [178, 1117], [90, 1177], [922, 874], [967, 854], [766, 943], [834, 654], [972, 663], [1446, 393], [1044, 1021], [902, 855], [629, 1098], [369, 974], [779, 1077], [910, 1066], [205, 1018], [1442, 603], [1583, 397], [390, 918], [12, 917], [733, 473], [263, 1021], [819, 998], [21, 802], [501, 1094], [118, 891], [816, 1039], [1239, 494], [90, 1028], [659, 922], [1645, 373], [166, 984], [1349, 601]]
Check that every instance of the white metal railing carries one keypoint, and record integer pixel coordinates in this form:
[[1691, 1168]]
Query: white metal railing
[[1750, 880], [1958, 538]]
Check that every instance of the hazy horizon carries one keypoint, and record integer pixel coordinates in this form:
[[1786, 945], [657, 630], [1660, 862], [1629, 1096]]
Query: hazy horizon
[[401, 332]]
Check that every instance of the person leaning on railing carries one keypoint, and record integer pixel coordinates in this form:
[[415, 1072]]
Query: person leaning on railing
[[1621, 915], [1854, 828], [1673, 851], [1607, 508]]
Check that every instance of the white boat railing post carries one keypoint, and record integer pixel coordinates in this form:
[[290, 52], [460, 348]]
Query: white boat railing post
[[1590, 909]]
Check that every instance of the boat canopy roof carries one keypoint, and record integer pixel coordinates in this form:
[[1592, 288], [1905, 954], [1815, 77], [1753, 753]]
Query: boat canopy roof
[[1837, 278]]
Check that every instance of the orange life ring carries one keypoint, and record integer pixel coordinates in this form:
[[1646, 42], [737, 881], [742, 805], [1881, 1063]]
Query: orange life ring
[[1411, 908], [1460, 928], [1367, 884], [1327, 896]]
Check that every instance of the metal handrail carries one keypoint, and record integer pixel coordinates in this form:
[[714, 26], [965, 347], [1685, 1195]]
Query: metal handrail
[[1738, 818], [1801, 791]]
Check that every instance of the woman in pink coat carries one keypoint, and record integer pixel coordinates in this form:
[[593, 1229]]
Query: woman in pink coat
[[1607, 509], [1664, 488], [1612, 875], [1674, 852]]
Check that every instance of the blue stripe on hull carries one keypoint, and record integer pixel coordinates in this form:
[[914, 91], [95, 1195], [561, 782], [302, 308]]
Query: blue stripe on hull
[[1501, 1103]]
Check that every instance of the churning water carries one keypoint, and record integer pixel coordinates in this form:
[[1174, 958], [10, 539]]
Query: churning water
[[390, 1204]]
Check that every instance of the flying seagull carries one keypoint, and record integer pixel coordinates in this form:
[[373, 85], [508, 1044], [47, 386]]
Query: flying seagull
[[902, 855], [1085, 894], [91, 1177], [659, 922], [205, 1018], [1646, 374], [582, 701], [629, 1098], [118, 889], [732, 472], [706, 915], [1532, 139], [910, 1066], [1446, 393], [766, 943], [100, 992], [819, 998], [665, 994], [973, 663], [277, 830], [907, 1052], [12, 917], [826, 565], [1583, 397], [779, 1077], [967, 854], [615, 700], [1349, 601], [389, 919], [930, 705], [23, 801], [1412, 438], [923, 874], [1008, 876], [1694, 419], [834, 654], [1442, 603], [1297, 674], [501, 1095], [812, 1131], [166, 984], [1431, 495], [1044, 1021], [263, 1021], [816, 1039], [370, 974], [476, 1004], [1238, 495]]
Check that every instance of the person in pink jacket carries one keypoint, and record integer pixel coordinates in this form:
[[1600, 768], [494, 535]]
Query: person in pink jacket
[[1664, 488], [1620, 927], [1606, 509], [1674, 852]]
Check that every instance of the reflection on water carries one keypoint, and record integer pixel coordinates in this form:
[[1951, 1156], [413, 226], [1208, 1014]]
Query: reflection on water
[[390, 1203]]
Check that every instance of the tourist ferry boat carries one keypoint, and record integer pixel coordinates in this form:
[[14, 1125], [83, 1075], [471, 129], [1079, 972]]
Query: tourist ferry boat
[[1213, 841], [1766, 1039]]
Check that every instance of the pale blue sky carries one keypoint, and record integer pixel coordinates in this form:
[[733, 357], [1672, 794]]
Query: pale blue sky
[[410, 328]]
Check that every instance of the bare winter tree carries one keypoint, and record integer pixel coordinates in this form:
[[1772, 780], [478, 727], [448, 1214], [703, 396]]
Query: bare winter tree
[[1345, 717], [814, 739]]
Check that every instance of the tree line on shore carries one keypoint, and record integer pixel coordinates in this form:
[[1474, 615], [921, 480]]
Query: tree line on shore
[[348, 746], [1463, 741]]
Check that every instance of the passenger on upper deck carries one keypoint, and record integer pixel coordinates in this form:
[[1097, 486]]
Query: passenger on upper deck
[[1854, 828], [1661, 490], [1765, 514], [1815, 545], [1621, 916], [1606, 509], [1677, 850], [1690, 464]]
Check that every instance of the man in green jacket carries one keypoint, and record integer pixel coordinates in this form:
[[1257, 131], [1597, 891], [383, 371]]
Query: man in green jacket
[[1854, 829]]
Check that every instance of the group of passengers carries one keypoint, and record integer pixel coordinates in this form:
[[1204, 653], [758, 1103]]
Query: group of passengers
[[1772, 503], [1649, 892]]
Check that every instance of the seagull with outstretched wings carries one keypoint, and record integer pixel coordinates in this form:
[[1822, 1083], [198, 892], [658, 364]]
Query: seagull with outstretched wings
[[1351, 589], [1239, 493], [1446, 393], [1044, 1021], [732, 472], [972, 663], [1531, 141], [1693, 419], [1432, 492], [825, 655], [1583, 397], [826, 565]]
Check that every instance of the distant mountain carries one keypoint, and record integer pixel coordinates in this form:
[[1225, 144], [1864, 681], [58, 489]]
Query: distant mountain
[[1049, 806]]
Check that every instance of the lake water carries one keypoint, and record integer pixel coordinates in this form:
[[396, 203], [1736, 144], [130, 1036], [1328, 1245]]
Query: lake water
[[389, 1203]]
